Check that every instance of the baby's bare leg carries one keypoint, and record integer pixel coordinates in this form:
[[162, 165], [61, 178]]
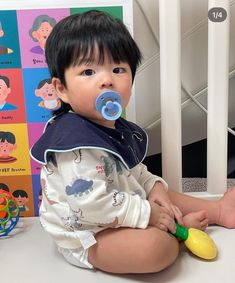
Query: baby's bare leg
[[188, 204], [220, 212], [126, 250]]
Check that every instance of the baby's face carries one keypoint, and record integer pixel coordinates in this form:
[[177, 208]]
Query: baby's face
[[86, 81]]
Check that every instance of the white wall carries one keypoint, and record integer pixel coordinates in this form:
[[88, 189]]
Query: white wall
[[194, 68]]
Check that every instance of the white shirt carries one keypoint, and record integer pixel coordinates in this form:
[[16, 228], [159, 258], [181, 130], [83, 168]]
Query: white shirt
[[88, 190]]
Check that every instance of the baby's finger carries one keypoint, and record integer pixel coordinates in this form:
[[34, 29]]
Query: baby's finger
[[167, 205], [162, 227], [168, 210], [169, 223], [178, 215]]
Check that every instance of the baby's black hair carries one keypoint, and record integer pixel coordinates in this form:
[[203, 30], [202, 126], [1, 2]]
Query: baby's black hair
[[74, 39]]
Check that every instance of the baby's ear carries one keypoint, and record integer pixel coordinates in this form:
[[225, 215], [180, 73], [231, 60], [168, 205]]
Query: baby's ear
[[60, 90]]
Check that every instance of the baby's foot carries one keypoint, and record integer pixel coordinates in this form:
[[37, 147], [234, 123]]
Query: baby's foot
[[227, 209], [198, 220]]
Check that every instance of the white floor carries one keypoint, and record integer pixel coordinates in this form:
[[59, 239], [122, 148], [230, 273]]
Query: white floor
[[29, 256]]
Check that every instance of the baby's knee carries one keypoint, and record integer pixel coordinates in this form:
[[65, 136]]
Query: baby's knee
[[163, 251], [170, 250]]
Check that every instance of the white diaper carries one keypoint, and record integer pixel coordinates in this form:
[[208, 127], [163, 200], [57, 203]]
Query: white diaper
[[78, 257]]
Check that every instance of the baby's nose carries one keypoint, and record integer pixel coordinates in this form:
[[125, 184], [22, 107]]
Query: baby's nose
[[106, 81]]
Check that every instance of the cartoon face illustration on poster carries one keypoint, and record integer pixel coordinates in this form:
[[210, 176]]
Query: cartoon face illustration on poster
[[22, 198], [4, 49], [39, 32], [7, 146], [9, 40], [34, 28], [47, 92], [5, 90], [21, 188], [40, 96]]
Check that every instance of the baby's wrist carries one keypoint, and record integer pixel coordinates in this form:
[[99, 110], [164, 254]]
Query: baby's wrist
[[158, 186]]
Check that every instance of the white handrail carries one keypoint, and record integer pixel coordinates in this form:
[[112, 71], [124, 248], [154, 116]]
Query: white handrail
[[170, 75], [217, 118]]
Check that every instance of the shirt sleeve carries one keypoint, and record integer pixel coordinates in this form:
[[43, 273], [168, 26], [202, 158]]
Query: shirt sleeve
[[87, 190], [147, 179]]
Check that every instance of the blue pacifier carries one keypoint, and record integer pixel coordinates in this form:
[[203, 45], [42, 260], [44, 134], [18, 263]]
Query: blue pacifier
[[109, 104]]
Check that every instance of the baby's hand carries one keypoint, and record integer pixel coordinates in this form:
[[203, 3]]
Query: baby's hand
[[161, 218], [160, 196]]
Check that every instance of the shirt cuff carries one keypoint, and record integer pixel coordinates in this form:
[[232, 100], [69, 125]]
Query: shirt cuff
[[137, 214], [144, 216]]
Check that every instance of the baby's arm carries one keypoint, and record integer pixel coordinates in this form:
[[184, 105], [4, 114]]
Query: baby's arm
[[89, 189]]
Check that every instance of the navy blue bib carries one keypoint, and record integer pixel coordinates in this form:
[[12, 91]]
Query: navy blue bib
[[69, 131]]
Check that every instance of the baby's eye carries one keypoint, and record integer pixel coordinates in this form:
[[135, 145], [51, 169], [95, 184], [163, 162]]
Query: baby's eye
[[118, 70], [88, 72]]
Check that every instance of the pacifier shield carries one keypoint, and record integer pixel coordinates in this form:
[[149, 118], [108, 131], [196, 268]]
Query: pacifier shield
[[109, 104]]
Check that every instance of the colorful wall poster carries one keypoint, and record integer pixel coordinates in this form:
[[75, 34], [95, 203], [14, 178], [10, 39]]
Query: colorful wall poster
[[13, 148], [12, 103], [9, 40], [116, 12], [34, 29], [22, 190], [36, 83], [35, 130], [27, 96]]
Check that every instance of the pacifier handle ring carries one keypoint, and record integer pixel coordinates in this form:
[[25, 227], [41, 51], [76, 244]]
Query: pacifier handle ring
[[115, 117]]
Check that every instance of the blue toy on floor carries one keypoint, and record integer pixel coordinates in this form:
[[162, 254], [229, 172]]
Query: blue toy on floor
[[9, 213]]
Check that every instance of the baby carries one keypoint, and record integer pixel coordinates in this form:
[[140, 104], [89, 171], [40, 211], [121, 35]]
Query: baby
[[100, 203]]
